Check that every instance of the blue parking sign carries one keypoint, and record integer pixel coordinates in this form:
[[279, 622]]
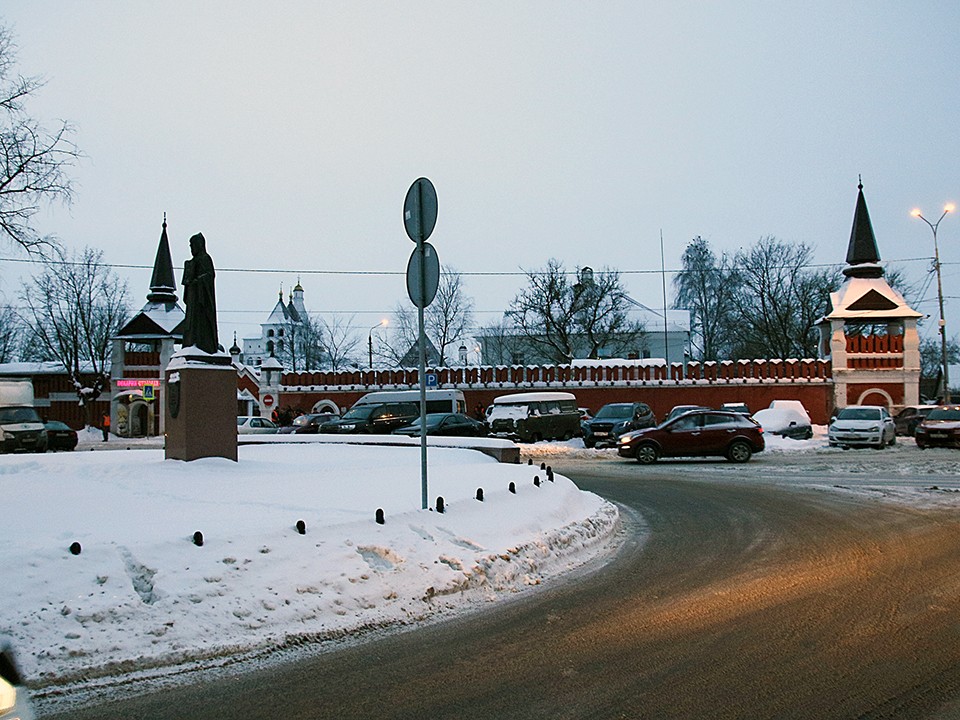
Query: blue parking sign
[[431, 380]]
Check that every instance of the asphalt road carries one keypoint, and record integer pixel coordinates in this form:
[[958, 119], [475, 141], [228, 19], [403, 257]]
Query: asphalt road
[[750, 599]]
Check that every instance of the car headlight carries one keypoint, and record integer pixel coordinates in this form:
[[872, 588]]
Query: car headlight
[[873, 428], [8, 435], [624, 439]]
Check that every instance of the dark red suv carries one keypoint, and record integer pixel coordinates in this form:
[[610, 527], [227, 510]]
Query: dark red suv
[[695, 433]]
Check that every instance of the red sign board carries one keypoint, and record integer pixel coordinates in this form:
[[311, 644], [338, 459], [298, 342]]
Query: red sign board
[[268, 400]]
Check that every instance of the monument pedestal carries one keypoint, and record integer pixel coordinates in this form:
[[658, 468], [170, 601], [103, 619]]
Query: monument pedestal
[[200, 412]]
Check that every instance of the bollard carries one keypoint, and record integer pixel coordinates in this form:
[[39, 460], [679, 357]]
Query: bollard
[[301, 527], [198, 538], [512, 488], [480, 494], [529, 461], [549, 473], [74, 548], [440, 505], [543, 466], [380, 520], [536, 480]]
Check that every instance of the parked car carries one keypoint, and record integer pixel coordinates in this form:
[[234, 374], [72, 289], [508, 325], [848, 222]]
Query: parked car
[[678, 410], [786, 418], [447, 425], [255, 425], [60, 436], [695, 433], [308, 424], [737, 407], [534, 416], [379, 418], [908, 418], [862, 425], [941, 427], [14, 701], [614, 419]]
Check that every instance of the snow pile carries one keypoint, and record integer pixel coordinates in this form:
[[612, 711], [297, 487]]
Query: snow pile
[[140, 594]]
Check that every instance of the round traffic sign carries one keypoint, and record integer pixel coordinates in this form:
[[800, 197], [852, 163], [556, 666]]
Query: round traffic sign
[[268, 400], [422, 284], [420, 210]]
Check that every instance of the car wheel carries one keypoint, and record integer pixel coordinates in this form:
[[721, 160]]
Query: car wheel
[[536, 437], [567, 436], [893, 440], [589, 443], [739, 452], [647, 454]]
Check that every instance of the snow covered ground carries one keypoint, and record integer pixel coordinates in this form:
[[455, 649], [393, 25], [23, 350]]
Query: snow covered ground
[[141, 595]]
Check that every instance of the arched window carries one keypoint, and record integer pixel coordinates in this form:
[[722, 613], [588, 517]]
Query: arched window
[[280, 332], [270, 332], [279, 345], [270, 346]]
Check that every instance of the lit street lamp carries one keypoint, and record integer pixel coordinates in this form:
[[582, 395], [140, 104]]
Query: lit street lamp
[[382, 323], [944, 375]]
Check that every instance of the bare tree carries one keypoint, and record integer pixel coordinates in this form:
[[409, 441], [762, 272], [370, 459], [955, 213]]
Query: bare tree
[[337, 341], [448, 318], [446, 321], [500, 342], [72, 309], [779, 299], [706, 287], [563, 319], [11, 330], [33, 161]]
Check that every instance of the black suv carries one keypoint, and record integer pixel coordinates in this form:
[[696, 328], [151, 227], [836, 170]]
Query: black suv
[[614, 419], [378, 418]]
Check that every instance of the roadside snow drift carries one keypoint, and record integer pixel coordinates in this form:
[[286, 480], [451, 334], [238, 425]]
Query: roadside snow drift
[[142, 594]]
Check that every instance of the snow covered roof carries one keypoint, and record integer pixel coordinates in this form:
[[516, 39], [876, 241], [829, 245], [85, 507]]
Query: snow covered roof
[[867, 298], [533, 397]]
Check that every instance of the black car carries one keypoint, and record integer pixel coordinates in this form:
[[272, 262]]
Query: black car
[[614, 419], [60, 436], [378, 418], [447, 425]]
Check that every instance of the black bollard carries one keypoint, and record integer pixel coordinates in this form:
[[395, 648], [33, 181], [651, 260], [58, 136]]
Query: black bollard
[[440, 505], [549, 473], [480, 494], [543, 466], [529, 461], [380, 520], [75, 548], [301, 527], [512, 488], [536, 480], [198, 538]]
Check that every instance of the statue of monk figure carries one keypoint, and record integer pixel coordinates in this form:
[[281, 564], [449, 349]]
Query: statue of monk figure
[[200, 325]]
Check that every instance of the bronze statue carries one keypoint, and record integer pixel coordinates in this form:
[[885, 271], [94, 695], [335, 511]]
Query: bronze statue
[[200, 325]]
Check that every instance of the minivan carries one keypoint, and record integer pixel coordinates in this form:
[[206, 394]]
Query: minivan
[[534, 416]]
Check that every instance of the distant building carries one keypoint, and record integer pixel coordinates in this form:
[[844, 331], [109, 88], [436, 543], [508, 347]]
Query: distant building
[[278, 332]]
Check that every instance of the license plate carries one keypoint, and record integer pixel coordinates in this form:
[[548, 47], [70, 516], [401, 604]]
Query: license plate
[[939, 435], [600, 434]]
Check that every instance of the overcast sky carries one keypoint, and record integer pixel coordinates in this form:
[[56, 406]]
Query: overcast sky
[[289, 132]]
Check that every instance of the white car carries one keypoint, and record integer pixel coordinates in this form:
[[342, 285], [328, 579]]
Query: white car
[[14, 701], [862, 425], [254, 425]]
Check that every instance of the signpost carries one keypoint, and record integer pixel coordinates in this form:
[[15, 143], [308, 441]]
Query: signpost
[[423, 278]]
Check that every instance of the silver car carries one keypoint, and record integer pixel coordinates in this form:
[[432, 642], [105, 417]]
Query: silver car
[[862, 425], [252, 425]]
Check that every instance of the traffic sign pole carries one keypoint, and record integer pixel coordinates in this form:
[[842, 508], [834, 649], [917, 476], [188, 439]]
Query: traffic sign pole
[[419, 219]]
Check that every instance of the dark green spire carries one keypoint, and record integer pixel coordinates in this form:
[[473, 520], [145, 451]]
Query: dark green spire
[[862, 253], [163, 287]]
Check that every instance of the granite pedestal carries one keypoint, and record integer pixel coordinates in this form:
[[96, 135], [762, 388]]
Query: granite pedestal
[[200, 411]]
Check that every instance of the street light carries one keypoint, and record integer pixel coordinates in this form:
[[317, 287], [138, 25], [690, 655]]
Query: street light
[[944, 374], [382, 323]]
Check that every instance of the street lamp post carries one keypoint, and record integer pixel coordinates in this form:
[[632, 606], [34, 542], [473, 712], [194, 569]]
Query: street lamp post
[[944, 373], [382, 323]]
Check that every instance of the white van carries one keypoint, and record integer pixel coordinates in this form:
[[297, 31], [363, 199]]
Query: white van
[[438, 401], [21, 426]]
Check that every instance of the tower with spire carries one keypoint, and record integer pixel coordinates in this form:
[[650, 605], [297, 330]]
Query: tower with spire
[[870, 332], [281, 328], [143, 348]]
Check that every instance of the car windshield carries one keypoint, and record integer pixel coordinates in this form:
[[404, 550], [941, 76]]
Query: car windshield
[[859, 413], [619, 410], [18, 415], [944, 414], [358, 413]]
